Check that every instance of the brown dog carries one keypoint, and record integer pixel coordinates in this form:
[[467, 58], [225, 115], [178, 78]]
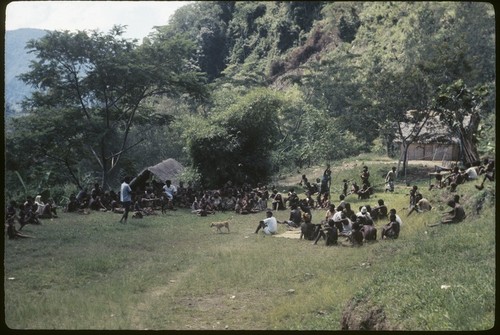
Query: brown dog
[[220, 225]]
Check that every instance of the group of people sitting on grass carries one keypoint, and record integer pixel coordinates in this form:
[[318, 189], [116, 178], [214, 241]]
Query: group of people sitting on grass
[[31, 211], [246, 199], [339, 221], [452, 177]]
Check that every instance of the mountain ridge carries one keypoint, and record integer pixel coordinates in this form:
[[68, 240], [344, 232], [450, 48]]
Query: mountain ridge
[[17, 61]]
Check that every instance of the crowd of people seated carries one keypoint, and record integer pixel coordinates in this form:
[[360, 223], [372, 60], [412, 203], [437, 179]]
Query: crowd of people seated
[[340, 220]]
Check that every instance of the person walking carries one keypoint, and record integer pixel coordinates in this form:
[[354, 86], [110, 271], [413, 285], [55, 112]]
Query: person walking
[[125, 198]]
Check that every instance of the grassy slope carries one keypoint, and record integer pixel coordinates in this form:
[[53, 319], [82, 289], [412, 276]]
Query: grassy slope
[[172, 271]]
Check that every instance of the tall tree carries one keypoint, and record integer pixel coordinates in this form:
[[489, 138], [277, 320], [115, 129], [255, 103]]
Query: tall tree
[[103, 80], [462, 109]]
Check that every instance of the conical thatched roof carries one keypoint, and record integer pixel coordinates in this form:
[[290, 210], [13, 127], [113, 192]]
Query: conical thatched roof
[[167, 169]]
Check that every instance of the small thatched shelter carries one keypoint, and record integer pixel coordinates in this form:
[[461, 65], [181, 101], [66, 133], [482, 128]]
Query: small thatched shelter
[[434, 143], [167, 169]]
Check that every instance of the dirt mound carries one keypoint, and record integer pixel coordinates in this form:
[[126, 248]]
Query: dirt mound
[[361, 315]]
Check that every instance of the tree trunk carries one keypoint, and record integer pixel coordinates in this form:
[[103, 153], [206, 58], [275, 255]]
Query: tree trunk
[[406, 146]]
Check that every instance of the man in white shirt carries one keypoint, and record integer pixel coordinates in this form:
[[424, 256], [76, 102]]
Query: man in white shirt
[[125, 198], [269, 225], [170, 191]]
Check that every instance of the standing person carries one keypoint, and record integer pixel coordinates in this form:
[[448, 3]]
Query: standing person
[[326, 180], [389, 180], [125, 198], [345, 186], [365, 176], [269, 225], [170, 191]]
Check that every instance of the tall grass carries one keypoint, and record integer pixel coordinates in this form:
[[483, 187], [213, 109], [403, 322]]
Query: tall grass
[[172, 271]]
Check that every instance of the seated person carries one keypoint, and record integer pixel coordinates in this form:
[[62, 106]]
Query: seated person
[[398, 219], [365, 192], [277, 200], [269, 225], [323, 200], [354, 188], [422, 205], [295, 217], [347, 226], [337, 217], [471, 171], [43, 210], [330, 213], [27, 216], [348, 210], [11, 210], [96, 204], [379, 212], [369, 233], [12, 232], [328, 232], [364, 216], [391, 230], [489, 173], [457, 177], [142, 210], [356, 237], [456, 215], [83, 198]]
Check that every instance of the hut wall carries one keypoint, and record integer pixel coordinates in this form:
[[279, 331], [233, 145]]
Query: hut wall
[[433, 152]]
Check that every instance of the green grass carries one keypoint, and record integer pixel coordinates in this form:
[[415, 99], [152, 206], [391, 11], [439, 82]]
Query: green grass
[[173, 271]]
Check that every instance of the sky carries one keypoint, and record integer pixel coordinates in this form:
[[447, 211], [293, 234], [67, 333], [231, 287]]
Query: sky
[[139, 16]]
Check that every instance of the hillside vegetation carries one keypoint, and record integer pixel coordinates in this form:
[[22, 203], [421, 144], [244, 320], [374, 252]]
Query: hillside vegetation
[[172, 271], [245, 90]]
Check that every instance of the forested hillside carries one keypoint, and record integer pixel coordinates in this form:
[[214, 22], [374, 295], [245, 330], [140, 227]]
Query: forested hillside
[[242, 90]]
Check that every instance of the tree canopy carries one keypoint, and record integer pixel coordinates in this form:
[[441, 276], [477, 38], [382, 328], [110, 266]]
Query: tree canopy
[[240, 90]]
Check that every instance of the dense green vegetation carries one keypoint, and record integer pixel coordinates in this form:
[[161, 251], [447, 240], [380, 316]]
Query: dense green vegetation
[[250, 89], [172, 271]]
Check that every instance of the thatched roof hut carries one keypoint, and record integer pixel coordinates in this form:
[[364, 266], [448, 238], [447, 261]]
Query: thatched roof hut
[[435, 142], [167, 169]]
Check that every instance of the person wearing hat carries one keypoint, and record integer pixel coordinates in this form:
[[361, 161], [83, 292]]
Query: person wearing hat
[[364, 216], [269, 225]]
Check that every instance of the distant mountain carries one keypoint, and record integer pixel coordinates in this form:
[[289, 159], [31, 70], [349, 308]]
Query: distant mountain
[[17, 61]]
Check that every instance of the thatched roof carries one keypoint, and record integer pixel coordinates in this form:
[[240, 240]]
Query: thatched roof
[[434, 131], [167, 169]]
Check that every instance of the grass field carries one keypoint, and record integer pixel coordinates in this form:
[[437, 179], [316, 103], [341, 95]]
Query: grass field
[[172, 271]]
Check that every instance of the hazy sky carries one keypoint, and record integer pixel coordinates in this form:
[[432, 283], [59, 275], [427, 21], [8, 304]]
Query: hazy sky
[[139, 16]]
